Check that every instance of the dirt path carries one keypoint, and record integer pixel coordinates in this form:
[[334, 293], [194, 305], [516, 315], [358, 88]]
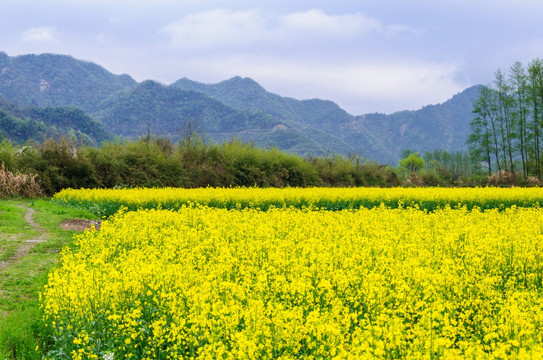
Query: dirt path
[[27, 245]]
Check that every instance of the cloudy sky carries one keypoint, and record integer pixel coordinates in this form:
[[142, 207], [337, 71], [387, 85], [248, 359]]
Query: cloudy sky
[[366, 55]]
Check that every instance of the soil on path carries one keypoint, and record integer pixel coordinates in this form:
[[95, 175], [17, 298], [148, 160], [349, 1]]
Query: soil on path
[[79, 224], [27, 245]]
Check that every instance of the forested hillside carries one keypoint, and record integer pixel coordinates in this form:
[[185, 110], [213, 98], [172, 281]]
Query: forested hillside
[[236, 108], [377, 136], [53, 80], [443, 126], [38, 123]]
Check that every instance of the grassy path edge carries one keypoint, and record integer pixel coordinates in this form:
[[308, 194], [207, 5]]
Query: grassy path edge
[[23, 334], [27, 245]]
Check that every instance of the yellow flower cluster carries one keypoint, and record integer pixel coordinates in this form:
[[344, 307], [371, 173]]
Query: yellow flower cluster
[[203, 283], [108, 201]]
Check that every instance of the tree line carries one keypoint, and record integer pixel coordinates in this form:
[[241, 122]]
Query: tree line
[[507, 129], [158, 162]]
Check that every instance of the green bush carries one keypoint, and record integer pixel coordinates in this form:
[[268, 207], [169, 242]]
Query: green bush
[[157, 162], [430, 178], [58, 166], [7, 154]]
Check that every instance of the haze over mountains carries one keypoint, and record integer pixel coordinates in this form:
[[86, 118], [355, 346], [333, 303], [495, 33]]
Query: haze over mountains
[[117, 105]]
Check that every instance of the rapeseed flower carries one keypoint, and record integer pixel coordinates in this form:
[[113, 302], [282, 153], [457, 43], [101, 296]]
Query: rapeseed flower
[[105, 202], [202, 282]]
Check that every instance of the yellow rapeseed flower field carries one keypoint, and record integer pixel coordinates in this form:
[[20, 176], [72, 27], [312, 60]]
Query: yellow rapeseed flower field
[[289, 283], [106, 202]]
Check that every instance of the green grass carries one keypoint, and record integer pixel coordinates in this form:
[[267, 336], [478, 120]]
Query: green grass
[[13, 229], [23, 334]]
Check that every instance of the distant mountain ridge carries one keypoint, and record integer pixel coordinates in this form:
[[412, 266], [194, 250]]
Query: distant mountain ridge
[[237, 107], [377, 136], [443, 126], [165, 110]]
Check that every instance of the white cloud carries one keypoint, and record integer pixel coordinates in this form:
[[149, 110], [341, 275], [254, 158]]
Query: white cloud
[[319, 23], [363, 63], [216, 28], [39, 34], [398, 29], [239, 29]]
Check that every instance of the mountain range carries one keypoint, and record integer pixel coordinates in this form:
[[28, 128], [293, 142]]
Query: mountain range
[[47, 93]]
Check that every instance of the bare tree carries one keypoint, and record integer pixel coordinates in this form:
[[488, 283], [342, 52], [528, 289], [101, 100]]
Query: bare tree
[[519, 84], [189, 131], [535, 91]]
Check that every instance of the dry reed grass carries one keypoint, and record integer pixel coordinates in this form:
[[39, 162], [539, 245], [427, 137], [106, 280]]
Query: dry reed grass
[[12, 185]]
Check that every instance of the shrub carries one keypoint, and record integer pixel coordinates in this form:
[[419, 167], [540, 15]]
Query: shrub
[[430, 178], [7, 154], [501, 178]]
